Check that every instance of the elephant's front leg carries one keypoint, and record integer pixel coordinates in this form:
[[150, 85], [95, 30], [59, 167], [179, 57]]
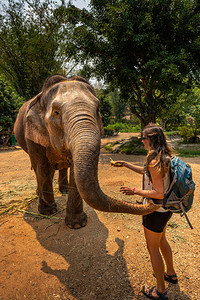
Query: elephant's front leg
[[75, 216], [47, 205], [44, 174]]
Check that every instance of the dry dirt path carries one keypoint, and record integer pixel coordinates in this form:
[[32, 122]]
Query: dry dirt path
[[43, 259]]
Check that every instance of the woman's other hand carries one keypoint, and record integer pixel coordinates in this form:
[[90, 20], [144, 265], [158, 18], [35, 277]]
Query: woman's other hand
[[127, 190]]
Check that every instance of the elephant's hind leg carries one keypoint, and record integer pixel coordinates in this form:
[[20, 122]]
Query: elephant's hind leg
[[63, 181], [75, 216]]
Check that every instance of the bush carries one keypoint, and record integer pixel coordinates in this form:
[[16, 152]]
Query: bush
[[133, 145], [105, 107], [108, 131], [123, 127], [10, 103], [188, 133]]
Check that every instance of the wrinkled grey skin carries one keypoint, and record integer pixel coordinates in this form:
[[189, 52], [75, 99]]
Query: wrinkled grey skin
[[59, 128]]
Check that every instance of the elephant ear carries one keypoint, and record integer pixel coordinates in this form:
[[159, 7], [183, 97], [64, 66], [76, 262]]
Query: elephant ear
[[35, 129]]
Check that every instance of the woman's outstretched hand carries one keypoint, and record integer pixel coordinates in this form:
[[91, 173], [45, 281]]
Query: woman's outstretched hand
[[118, 163], [127, 190]]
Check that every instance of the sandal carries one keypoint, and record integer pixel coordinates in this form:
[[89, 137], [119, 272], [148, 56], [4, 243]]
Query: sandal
[[149, 295], [169, 278]]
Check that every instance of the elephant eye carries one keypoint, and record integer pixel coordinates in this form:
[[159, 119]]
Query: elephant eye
[[56, 113]]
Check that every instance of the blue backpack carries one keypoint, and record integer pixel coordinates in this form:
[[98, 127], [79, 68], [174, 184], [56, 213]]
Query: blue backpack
[[179, 196]]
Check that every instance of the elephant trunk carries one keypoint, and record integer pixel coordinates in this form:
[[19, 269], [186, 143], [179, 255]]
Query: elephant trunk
[[85, 159]]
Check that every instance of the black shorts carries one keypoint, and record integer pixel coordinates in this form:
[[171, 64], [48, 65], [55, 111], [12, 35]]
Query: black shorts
[[156, 221]]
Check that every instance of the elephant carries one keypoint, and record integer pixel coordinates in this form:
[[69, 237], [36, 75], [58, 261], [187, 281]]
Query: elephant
[[61, 128]]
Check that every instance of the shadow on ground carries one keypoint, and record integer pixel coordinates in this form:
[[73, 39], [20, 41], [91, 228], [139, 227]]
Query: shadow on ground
[[92, 273]]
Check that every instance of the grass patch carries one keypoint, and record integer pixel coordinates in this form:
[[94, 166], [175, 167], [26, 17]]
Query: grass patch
[[16, 191], [171, 134], [187, 152], [13, 190], [181, 142], [108, 147], [36, 215], [178, 238], [14, 206], [18, 198], [172, 224]]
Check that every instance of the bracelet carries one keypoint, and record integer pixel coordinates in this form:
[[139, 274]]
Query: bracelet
[[133, 191]]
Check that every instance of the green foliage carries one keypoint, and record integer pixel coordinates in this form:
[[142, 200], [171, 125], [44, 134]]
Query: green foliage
[[123, 127], [188, 152], [149, 50], [118, 105], [105, 106], [108, 147], [10, 103], [108, 131], [186, 132], [134, 146], [31, 43], [190, 127], [171, 134], [184, 111], [189, 133]]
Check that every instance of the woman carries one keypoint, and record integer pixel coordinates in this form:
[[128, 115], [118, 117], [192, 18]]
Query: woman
[[156, 180]]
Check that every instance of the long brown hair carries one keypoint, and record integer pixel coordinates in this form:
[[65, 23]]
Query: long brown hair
[[159, 148]]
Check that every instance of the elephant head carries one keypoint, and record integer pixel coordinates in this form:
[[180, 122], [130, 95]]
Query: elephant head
[[65, 120]]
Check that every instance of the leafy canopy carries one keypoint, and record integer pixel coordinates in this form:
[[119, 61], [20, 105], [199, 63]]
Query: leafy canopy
[[31, 39], [10, 103], [149, 49]]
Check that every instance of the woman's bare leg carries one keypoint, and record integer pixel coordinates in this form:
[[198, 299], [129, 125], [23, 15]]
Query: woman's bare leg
[[167, 254], [153, 245]]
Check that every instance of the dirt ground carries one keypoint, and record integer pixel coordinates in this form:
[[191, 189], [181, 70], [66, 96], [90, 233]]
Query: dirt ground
[[40, 258]]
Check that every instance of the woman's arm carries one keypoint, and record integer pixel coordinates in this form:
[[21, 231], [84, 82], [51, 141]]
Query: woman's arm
[[137, 169], [157, 181]]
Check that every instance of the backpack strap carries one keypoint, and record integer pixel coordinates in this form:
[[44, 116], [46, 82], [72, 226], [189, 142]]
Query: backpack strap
[[184, 213], [171, 184]]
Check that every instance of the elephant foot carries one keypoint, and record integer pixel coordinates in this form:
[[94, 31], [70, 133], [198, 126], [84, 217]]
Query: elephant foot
[[47, 210], [76, 221]]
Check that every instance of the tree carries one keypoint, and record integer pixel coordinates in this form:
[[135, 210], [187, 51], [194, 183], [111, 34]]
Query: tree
[[105, 106], [10, 103], [31, 38], [190, 128], [148, 49], [119, 106]]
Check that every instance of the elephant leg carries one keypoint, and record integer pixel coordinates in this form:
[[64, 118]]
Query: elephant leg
[[63, 181], [47, 205], [75, 216], [44, 174]]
